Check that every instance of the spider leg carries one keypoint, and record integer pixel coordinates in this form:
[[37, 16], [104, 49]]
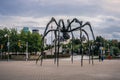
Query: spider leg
[[58, 47], [72, 44], [55, 53], [42, 44], [87, 23], [69, 27], [88, 42], [52, 20]]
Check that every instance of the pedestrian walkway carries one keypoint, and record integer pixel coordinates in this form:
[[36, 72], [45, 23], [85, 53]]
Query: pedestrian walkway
[[28, 70], [76, 58]]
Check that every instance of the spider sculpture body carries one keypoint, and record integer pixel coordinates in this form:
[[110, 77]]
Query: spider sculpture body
[[65, 30]]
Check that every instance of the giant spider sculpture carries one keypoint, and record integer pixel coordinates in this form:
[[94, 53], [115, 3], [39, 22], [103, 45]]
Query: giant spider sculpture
[[61, 28]]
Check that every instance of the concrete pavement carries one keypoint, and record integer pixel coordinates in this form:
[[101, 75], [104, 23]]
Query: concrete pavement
[[28, 70]]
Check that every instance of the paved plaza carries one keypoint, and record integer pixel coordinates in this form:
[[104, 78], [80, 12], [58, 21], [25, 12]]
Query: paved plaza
[[29, 70]]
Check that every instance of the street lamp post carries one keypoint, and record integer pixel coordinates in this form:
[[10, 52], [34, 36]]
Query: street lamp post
[[26, 51], [8, 44]]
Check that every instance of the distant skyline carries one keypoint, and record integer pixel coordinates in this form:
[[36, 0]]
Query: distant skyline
[[104, 15]]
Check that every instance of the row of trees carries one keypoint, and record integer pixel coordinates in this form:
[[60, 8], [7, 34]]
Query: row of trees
[[109, 46], [113, 46], [18, 41]]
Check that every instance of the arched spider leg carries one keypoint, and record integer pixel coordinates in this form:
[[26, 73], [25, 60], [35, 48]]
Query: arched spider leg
[[87, 23], [81, 26], [55, 53], [42, 48], [82, 30], [45, 33], [52, 20], [69, 27], [88, 43]]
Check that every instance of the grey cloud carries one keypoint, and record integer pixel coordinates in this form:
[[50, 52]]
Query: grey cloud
[[43, 8], [34, 8], [116, 35], [30, 22], [110, 26], [111, 29]]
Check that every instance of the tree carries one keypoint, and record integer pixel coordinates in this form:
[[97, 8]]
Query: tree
[[116, 51], [14, 40], [34, 41], [119, 45], [18, 40], [4, 38]]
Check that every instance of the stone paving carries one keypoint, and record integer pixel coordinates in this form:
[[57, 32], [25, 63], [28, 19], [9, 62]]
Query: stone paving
[[29, 70]]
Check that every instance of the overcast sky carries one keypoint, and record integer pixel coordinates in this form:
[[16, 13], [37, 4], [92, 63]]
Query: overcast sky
[[104, 15]]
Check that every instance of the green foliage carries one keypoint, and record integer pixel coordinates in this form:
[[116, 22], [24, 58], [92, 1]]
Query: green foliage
[[116, 51], [60, 56], [119, 45], [18, 40], [99, 42], [76, 41]]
